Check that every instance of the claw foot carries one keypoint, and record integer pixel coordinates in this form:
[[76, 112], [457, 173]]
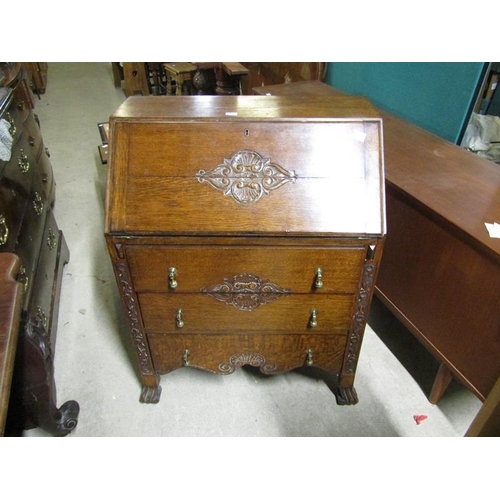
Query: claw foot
[[150, 394], [346, 396]]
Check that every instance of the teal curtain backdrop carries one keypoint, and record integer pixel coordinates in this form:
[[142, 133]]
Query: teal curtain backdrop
[[436, 96]]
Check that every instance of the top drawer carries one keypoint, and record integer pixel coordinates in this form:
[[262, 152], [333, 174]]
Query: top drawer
[[294, 269]]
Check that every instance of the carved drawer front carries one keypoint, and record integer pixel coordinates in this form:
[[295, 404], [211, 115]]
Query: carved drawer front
[[224, 353], [222, 312], [190, 269]]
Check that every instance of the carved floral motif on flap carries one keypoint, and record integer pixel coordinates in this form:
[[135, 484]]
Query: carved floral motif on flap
[[246, 176]]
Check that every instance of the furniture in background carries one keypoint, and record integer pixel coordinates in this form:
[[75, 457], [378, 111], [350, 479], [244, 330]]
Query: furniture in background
[[245, 230], [261, 74], [487, 421], [37, 76], [10, 317], [179, 77], [210, 78], [440, 274], [29, 230]]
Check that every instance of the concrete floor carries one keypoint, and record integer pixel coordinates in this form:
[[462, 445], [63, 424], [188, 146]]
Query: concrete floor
[[94, 363]]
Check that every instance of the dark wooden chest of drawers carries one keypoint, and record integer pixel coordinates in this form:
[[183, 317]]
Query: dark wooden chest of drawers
[[245, 230], [28, 229]]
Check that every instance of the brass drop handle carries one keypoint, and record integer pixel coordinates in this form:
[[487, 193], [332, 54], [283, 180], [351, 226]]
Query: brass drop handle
[[40, 314], [51, 239], [178, 319], [309, 357], [22, 161], [185, 357], [12, 128], [313, 319], [23, 278], [172, 273], [4, 230], [318, 283]]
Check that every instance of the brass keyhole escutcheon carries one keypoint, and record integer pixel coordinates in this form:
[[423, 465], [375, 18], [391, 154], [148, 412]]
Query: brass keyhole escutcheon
[[172, 282]]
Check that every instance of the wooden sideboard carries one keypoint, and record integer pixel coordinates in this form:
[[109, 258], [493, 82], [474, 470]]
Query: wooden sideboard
[[440, 274], [28, 229], [245, 230]]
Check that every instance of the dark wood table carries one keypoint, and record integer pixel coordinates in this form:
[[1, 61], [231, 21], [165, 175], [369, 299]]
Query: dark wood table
[[440, 272], [11, 293]]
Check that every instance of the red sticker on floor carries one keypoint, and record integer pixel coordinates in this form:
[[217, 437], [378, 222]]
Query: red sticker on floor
[[419, 418]]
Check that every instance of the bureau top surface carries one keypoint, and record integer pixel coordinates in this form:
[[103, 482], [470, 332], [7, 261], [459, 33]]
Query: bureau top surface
[[243, 108], [245, 165]]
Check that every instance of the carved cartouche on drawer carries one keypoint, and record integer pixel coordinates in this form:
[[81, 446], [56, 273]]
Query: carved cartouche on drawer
[[245, 231]]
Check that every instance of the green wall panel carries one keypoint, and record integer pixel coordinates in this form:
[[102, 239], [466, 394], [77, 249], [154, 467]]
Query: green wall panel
[[437, 96]]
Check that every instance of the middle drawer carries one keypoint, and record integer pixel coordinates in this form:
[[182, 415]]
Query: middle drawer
[[203, 312]]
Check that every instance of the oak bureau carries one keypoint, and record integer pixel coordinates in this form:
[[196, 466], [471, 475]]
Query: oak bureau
[[245, 230]]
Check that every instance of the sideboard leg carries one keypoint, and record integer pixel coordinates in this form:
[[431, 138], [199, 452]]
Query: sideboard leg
[[40, 406], [441, 382], [33, 386]]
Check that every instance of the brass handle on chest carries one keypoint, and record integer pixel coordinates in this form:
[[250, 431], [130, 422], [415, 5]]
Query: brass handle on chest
[[313, 319], [23, 278], [38, 204], [172, 273], [51, 239], [42, 317], [22, 161], [4, 231], [178, 319], [12, 128], [185, 357], [318, 282]]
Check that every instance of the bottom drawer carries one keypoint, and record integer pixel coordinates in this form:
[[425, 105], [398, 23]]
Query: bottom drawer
[[223, 353]]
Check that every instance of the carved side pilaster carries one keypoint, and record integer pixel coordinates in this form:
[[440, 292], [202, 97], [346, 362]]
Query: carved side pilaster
[[359, 318], [133, 318]]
